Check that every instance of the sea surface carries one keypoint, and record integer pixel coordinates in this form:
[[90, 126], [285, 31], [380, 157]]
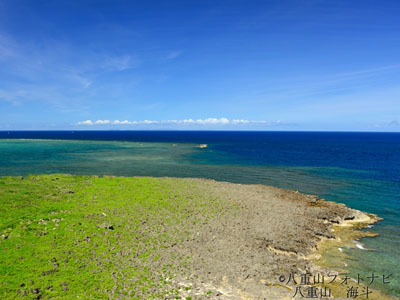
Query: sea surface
[[361, 170]]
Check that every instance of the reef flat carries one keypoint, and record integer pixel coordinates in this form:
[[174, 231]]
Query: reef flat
[[89, 237]]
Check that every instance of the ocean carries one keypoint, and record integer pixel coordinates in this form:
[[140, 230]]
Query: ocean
[[361, 170]]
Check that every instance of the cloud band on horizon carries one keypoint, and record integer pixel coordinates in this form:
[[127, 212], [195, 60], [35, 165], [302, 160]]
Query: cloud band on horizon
[[207, 121]]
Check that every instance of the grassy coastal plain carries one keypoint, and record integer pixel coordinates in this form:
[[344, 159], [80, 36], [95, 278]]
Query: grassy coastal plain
[[88, 237]]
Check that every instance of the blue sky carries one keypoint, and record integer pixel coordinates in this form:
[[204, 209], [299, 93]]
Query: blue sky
[[258, 65]]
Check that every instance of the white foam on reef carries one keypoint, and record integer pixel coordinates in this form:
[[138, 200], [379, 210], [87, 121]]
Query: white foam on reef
[[359, 245], [202, 146], [340, 249]]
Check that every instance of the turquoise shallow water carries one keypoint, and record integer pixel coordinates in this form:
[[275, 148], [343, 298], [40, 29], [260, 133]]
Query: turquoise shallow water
[[365, 177]]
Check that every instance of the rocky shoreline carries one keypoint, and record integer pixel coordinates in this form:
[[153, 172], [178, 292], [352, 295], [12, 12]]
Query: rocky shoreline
[[274, 233]]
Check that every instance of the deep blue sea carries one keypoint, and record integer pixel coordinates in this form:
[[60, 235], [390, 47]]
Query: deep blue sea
[[361, 170]]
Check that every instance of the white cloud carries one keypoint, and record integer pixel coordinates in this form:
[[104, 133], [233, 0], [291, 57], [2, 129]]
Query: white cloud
[[102, 122], [149, 122], [202, 122], [213, 121], [87, 122], [240, 121], [118, 122]]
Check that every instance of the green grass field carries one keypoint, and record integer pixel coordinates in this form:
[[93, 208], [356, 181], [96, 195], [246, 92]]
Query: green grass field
[[81, 237]]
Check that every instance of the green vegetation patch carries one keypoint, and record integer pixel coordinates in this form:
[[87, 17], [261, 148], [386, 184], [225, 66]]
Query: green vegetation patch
[[94, 238]]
